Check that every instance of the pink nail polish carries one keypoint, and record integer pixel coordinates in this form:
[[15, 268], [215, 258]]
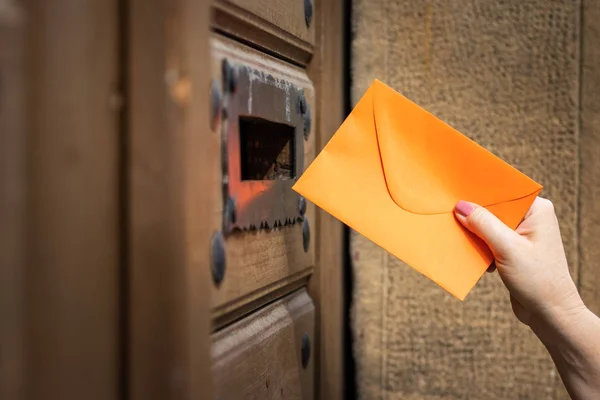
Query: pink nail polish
[[464, 208]]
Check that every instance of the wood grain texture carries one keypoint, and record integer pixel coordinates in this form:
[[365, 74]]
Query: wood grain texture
[[234, 21], [173, 161], [287, 15], [13, 182], [507, 75], [326, 284], [262, 261], [71, 275], [259, 357], [589, 212]]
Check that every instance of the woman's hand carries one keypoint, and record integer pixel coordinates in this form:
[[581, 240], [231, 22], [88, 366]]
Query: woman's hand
[[532, 264], [531, 261]]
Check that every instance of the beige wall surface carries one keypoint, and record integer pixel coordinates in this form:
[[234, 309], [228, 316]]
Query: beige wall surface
[[517, 77], [589, 211]]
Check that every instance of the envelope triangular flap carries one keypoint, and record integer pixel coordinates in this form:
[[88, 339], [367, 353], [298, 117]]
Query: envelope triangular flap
[[429, 166]]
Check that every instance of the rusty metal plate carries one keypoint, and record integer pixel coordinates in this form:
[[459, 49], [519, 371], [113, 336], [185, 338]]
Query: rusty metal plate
[[263, 133]]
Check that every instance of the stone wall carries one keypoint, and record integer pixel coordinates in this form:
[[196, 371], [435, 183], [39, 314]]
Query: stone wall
[[517, 77]]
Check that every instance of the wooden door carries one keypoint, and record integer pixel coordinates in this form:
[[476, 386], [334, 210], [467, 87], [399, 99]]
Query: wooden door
[[171, 162], [276, 300], [59, 200], [127, 268]]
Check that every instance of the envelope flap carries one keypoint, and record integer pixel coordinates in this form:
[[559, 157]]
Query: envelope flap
[[429, 166]]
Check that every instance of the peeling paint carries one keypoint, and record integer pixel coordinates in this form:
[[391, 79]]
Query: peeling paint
[[250, 95], [262, 77], [288, 107]]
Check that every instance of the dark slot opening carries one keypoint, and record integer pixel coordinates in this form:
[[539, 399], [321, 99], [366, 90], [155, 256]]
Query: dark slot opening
[[267, 150]]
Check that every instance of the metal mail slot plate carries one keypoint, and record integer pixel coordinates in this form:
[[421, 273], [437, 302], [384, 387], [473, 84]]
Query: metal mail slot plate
[[265, 120], [262, 113]]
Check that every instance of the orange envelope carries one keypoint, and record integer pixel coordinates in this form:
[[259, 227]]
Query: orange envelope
[[394, 172]]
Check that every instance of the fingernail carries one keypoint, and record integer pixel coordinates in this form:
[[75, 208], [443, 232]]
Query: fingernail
[[464, 208]]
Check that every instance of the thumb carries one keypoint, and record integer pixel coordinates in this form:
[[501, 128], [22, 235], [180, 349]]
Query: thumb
[[487, 226]]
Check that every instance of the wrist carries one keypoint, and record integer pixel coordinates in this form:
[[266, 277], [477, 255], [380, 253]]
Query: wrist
[[564, 328], [558, 321], [576, 353]]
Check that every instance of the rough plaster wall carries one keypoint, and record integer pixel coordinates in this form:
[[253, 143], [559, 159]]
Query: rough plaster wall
[[589, 242], [506, 73]]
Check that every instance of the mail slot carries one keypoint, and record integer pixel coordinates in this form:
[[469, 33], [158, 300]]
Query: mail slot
[[262, 110], [266, 150], [264, 121]]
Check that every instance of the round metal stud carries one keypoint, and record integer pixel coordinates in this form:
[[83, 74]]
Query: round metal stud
[[302, 205], [305, 350], [305, 235], [308, 12], [215, 104], [229, 76], [307, 122], [301, 104], [230, 216], [217, 258]]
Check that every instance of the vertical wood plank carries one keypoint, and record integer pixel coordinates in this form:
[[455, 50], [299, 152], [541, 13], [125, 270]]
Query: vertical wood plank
[[12, 196], [201, 170], [72, 204], [173, 158], [326, 287]]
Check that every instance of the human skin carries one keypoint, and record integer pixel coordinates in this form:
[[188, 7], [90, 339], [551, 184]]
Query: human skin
[[532, 264]]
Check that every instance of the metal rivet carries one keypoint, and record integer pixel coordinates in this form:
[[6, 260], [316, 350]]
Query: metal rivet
[[217, 255], [301, 105], [308, 12], [305, 350], [215, 104], [305, 234], [307, 122], [302, 205], [229, 76], [229, 212]]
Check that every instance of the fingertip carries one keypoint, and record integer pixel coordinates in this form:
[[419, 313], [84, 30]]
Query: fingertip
[[464, 208]]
